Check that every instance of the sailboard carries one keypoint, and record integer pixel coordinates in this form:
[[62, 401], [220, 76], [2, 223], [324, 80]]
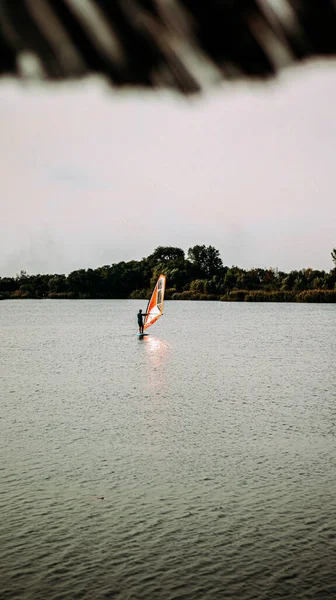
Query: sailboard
[[155, 305]]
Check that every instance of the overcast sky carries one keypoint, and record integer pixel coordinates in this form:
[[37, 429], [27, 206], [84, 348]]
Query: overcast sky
[[92, 177]]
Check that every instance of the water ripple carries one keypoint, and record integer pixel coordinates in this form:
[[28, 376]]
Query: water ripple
[[211, 442]]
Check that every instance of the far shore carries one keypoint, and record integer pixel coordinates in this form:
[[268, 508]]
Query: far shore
[[307, 296], [199, 276]]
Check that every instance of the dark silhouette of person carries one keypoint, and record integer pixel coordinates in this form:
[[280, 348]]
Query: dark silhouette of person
[[141, 316]]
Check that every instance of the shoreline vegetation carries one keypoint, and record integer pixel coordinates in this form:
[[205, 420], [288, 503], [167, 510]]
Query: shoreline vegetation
[[199, 276]]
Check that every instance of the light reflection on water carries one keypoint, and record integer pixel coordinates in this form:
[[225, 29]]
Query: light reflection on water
[[157, 351], [212, 442]]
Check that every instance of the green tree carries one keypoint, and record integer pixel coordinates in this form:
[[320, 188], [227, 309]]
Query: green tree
[[22, 276], [76, 281], [231, 278], [57, 284], [206, 259], [333, 255], [249, 280], [199, 286], [289, 281], [163, 254], [201, 273], [125, 277], [8, 285]]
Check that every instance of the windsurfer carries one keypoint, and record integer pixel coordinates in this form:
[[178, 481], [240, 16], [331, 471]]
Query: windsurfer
[[154, 306], [141, 315]]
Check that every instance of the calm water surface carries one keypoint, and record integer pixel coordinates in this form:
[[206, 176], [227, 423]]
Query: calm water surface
[[212, 442]]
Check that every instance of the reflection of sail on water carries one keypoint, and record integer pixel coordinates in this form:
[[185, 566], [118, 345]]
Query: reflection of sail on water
[[155, 305]]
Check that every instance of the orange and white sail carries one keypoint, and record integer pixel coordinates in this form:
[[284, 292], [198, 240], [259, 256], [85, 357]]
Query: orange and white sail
[[155, 305]]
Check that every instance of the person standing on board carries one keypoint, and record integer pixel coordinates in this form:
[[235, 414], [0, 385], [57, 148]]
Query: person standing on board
[[141, 315]]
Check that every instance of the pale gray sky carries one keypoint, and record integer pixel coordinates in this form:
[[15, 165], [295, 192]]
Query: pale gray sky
[[91, 177]]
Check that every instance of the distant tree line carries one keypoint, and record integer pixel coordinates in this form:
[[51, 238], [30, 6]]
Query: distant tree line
[[199, 276]]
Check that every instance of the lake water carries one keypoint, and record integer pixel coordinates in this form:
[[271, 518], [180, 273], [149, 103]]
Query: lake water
[[212, 442]]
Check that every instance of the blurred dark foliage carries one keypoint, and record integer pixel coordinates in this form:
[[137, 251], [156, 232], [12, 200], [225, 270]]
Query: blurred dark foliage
[[187, 279], [182, 44]]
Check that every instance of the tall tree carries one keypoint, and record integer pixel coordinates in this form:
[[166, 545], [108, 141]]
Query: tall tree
[[206, 259], [166, 254], [333, 255]]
